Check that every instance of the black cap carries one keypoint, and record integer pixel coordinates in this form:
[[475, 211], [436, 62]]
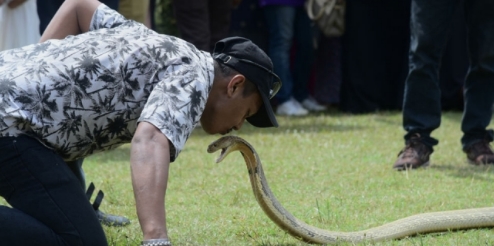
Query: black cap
[[248, 59]]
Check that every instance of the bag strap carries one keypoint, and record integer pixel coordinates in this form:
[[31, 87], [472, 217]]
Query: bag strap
[[327, 4]]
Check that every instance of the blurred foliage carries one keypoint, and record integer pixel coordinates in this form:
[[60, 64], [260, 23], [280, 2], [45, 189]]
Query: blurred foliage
[[164, 19]]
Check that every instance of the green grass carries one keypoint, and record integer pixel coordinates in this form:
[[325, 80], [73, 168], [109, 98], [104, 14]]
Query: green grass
[[331, 170]]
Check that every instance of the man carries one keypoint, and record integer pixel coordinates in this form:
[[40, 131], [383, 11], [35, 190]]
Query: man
[[430, 24], [46, 10], [118, 82]]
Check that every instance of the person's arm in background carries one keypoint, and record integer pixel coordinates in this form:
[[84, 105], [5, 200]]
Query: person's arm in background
[[73, 17], [150, 161]]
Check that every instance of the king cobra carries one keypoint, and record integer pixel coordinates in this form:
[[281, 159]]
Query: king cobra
[[412, 225]]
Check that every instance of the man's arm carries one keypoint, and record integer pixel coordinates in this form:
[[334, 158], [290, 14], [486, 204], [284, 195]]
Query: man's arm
[[72, 18], [150, 161]]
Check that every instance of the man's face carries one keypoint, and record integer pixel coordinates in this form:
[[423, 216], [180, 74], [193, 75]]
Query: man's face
[[225, 112]]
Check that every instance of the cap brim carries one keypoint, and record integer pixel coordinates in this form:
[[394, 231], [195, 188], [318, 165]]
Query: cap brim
[[264, 116]]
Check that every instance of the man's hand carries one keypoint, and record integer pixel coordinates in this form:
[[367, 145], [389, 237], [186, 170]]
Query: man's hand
[[150, 161]]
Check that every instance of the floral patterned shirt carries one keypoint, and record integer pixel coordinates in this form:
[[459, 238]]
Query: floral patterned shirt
[[86, 93]]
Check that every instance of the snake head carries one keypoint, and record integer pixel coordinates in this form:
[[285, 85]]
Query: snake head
[[226, 145]]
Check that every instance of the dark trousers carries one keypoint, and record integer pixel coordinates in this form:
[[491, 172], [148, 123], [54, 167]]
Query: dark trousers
[[430, 25], [48, 8], [203, 22], [48, 205]]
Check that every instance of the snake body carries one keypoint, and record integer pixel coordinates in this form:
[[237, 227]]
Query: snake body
[[412, 225]]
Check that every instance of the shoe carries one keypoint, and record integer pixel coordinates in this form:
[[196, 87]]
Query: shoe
[[480, 153], [291, 108], [414, 155], [111, 220], [312, 105]]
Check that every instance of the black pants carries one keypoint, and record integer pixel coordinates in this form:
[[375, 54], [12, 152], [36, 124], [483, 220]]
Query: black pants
[[430, 26], [48, 8], [48, 205], [203, 22], [374, 55]]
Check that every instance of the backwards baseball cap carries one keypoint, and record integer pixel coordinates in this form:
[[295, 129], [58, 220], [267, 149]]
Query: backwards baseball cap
[[248, 59]]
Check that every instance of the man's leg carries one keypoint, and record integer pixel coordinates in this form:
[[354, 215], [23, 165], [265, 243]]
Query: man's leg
[[479, 84], [48, 205], [104, 218], [430, 24]]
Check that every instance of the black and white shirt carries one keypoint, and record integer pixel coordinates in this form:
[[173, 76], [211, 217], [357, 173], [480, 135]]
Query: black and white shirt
[[85, 94]]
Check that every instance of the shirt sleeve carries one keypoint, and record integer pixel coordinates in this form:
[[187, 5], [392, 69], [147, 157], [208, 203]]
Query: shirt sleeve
[[176, 104], [105, 17]]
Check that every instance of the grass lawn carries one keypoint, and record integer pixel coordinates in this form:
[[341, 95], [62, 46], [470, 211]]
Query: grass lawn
[[332, 171]]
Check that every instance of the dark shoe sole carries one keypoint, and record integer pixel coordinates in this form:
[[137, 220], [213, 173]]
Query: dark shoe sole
[[474, 163], [408, 167]]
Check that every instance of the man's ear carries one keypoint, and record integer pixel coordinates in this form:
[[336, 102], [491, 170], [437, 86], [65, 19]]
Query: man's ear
[[235, 85]]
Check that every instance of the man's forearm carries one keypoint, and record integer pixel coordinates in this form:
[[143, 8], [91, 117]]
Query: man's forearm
[[72, 18], [150, 159]]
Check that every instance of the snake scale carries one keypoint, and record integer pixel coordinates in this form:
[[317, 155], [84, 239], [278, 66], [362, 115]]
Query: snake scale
[[412, 225]]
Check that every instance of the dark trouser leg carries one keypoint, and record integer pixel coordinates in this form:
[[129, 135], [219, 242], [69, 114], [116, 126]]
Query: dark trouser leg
[[429, 25], [280, 20], [219, 20], [49, 206], [46, 10], [113, 4], [479, 85], [193, 22], [304, 56]]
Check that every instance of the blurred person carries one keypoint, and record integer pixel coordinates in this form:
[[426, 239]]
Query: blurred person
[[431, 22], [287, 22], [203, 22], [96, 81], [18, 22]]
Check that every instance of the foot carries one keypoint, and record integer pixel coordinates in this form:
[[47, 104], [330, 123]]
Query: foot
[[312, 105], [111, 220], [291, 108], [414, 155], [480, 153]]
